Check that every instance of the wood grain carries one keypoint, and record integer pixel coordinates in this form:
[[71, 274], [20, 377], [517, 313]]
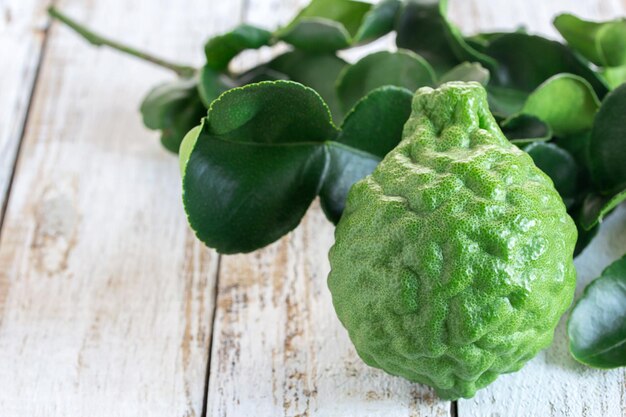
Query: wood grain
[[552, 384], [106, 297], [22, 34]]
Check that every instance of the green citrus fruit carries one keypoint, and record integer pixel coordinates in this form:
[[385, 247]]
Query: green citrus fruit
[[453, 260]]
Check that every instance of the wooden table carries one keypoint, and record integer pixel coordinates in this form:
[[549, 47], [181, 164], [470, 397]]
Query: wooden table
[[108, 304]]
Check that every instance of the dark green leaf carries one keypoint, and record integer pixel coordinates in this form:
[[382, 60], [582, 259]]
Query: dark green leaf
[[603, 43], [348, 13], [505, 102], [212, 84], [379, 21], [576, 108], [173, 108], [317, 35], [526, 61], [596, 207], [524, 129], [585, 237], [256, 165], [597, 325], [259, 74], [421, 29], [346, 166], [607, 146], [325, 25], [375, 124], [318, 71], [370, 131], [560, 166], [220, 50], [467, 71], [424, 28], [402, 69]]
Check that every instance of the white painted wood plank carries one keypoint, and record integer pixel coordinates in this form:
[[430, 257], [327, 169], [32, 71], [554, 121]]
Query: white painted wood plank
[[22, 30], [552, 384], [106, 297]]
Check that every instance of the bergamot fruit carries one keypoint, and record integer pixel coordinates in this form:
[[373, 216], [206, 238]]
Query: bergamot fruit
[[453, 260]]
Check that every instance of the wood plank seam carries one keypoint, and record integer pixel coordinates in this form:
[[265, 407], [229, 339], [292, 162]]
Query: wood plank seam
[[205, 399], [24, 124]]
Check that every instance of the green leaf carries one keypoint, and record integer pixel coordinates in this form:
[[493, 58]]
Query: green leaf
[[614, 76], [603, 43], [173, 108], [257, 165], [325, 25], [379, 21], [317, 35], [505, 102], [560, 166], [596, 207], [467, 71], [346, 167], [318, 71], [370, 131], [424, 28], [212, 84], [524, 129], [585, 237], [580, 35], [348, 13], [597, 325], [221, 49], [402, 69], [576, 108], [259, 74], [607, 146], [526, 61]]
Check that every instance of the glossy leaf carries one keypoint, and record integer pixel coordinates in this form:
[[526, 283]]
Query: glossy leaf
[[346, 166], [505, 102], [596, 207], [424, 28], [402, 69], [256, 165], [220, 50], [603, 43], [524, 129], [173, 108], [212, 84], [379, 21], [325, 25], [467, 71], [370, 131], [318, 71], [566, 102], [597, 325], [376, 123], [317, 35], [607, 146], [526, 61], [349, 13]]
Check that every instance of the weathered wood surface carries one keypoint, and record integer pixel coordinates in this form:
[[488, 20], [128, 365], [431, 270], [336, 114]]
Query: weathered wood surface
[[22, 34], [106, 297]]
